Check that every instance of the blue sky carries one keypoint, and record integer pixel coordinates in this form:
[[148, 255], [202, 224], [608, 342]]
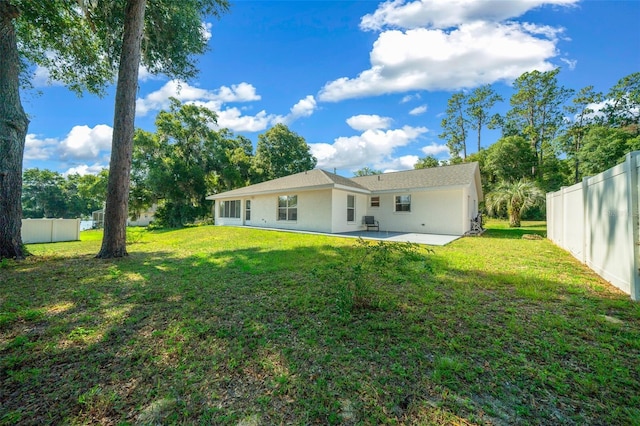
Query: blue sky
[[365, 83]]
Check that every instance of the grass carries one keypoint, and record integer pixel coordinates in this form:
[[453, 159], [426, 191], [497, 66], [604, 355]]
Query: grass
[[216, 325]]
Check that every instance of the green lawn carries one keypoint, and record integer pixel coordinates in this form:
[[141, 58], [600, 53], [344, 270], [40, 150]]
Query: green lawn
[[217, 325]]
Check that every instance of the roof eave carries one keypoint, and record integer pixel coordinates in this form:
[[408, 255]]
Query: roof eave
[[270, 191]]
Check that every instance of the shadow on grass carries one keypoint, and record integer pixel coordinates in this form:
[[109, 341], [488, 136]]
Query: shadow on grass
[[233, 335]]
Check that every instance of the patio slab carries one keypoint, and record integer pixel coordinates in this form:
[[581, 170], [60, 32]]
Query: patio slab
[[411, 237], [402, 237]]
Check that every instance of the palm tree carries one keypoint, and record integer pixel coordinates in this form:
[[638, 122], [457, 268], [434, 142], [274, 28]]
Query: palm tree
[[516, 198]]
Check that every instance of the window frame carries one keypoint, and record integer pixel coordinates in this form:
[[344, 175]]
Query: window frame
[[375, 201], [287, 210], [399, 203], [247, 211], [351, 209], [230, 209]]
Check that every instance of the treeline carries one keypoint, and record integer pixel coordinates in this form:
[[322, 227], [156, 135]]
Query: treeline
[[551, 135], [46, 193], [176, 168]]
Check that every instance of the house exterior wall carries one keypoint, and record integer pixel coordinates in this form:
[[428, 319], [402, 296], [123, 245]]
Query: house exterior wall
[[471, 206], [144, 219], [339, 211], [432, 212], [314, 211], [446, 210]]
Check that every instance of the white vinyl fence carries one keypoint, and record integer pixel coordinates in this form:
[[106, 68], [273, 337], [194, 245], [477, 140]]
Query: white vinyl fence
[[50, 230], [597, 221]]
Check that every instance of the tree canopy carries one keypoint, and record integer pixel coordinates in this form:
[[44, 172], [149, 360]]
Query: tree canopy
[[81, 43], [183, 162], [427, 162], [281, 152]]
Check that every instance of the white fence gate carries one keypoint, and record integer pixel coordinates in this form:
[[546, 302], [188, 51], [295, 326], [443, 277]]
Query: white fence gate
[[598, 222], [50, 230]]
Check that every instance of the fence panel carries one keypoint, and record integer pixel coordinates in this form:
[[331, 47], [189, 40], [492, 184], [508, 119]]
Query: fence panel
[[597, 221], [609, 235], [50, 230], [573, 220]]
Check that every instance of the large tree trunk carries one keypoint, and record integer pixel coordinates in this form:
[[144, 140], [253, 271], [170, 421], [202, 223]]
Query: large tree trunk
[[13, 131], [114, 241]]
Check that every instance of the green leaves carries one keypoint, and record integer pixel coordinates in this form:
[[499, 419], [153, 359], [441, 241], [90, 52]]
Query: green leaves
[[281, 152], [514, 197], [184, 161]]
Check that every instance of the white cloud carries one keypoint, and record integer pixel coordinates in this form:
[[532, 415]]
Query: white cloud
[[571, 63], [80, 144], [406, 162], [206, 30], [42, 77], [418, 110], [184, 92], [84, 142], [305, 107], [435, 149], [448, 13], [449, 45], [364, 122], [232, 118], [373, 146], [145, 75], [424, 59], [85, 169], [216, 100], [409, 98], [39, 149]]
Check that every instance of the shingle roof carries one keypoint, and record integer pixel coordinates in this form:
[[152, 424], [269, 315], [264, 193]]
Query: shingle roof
[[312, 179], [459, 174]]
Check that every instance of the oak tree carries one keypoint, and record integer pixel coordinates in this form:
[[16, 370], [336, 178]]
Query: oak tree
[[282, 152], [51, 34]]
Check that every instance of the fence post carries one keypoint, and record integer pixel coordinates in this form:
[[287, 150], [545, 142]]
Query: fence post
[[633, 167]]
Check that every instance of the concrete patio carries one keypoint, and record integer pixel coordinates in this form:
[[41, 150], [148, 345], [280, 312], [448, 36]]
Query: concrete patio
[[410, 237]]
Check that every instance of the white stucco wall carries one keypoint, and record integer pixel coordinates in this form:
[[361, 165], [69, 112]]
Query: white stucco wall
[[339, 211], [432, 212], [438, 211], [314, 212]]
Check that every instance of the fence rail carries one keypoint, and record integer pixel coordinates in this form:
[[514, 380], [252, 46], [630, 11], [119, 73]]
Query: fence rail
[[50, 230], [598, 221]]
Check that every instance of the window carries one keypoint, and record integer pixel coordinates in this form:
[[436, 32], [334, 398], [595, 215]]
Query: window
[[403, 203], [375, 201], [351, 208], [247, 210], [230, 208], [288, 207]]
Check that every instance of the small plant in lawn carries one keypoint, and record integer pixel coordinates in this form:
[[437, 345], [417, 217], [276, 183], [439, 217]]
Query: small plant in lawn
[[135, 234], [368, 264]]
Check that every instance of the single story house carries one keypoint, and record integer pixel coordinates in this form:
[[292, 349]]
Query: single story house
[[439, 200]]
